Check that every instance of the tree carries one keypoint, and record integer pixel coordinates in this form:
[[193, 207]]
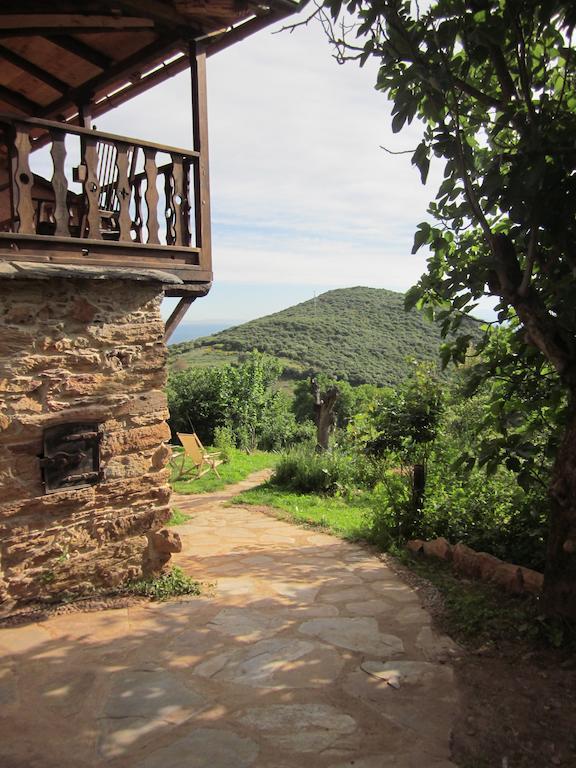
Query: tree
[[405, 422], [239, 397], [493, 84], [351, 399], [324, 418]]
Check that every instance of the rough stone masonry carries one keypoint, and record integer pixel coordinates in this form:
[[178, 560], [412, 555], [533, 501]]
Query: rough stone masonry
[[77, 350]]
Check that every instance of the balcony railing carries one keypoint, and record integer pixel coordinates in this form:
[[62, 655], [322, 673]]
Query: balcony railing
[[93, 198]]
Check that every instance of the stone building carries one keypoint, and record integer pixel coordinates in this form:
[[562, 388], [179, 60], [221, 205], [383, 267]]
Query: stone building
[[86, 256]]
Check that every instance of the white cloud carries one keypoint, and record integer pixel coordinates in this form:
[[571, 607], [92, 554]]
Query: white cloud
[[301, 191]]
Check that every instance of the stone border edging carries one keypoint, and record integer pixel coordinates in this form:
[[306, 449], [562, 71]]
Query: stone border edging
[[480, 565]]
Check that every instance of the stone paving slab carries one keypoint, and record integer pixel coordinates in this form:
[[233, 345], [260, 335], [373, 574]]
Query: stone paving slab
[[308, 652]]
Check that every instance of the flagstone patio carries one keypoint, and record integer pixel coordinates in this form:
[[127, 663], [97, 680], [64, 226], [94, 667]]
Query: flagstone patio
[[307, 651]]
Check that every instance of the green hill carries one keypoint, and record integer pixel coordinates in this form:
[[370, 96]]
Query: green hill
[[359, 334]]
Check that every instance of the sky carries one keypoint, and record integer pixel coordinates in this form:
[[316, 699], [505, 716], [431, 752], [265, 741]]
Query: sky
[[304, 199]]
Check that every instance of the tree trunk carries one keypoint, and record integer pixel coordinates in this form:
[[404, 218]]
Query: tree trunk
[[418, 486], [560, 577], [323, 414]]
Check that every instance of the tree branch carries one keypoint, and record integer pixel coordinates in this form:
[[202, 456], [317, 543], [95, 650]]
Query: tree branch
[[524, 78], [503, 73], [530, 258]]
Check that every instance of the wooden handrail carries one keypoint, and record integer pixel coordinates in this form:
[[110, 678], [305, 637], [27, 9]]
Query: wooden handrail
[[102, 135]]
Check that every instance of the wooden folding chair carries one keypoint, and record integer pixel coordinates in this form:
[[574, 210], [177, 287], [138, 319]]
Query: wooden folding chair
[[202, 461]]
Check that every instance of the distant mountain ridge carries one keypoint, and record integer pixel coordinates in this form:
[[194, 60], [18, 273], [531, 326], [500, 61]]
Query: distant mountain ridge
[[360, 334]]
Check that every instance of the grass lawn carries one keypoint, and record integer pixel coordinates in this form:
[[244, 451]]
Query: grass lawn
[[241, 465], [346, 519]]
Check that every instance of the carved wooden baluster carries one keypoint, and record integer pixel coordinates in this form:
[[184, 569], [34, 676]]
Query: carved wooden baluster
[[137, 223], [92, 187], [23, 182], [177, 198], [60, 184], [151, 196], [123, 192], [169, 195], [186, 233]]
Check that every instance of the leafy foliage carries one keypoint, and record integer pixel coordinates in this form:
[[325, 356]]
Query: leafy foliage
[[351, 399], [403, 420], [238, 398], [493, 85], [489, 510], [331, 472], [359, 335]]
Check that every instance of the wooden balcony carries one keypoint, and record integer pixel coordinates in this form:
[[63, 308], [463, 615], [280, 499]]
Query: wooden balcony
[[75, 196]]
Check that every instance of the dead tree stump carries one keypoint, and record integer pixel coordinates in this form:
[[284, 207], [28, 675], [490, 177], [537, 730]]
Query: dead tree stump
[[323, 413]]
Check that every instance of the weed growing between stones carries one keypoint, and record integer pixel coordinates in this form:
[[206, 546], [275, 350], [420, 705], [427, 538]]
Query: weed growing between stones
[[177, 517], [173, 583]]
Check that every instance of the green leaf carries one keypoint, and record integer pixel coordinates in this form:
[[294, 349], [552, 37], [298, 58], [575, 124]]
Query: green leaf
[[412, 297], [421, 236]]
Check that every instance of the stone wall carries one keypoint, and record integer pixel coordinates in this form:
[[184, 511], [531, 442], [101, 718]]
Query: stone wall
[[73, 351]]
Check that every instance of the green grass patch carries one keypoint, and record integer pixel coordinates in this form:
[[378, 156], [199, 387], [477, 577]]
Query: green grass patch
[[173, 583], [478, 614], [177, 517], [347, 519], [239, 466]]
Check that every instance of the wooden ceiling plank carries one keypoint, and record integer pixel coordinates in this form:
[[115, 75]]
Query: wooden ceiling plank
[[160, 12], [18, 101], [48, 21], [81, 50], [112, 74], [32, 69]]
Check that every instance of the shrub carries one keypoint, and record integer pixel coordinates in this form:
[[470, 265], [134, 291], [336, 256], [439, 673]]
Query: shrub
[[305, 471], [224, 442], [239, 398]]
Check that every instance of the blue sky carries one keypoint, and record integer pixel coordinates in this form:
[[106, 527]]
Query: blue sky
[[303, 197]]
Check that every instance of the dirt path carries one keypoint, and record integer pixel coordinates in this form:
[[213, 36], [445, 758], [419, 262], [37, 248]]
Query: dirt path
[[308, 652]]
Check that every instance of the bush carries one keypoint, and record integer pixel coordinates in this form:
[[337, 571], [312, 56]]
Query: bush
[[305, 471], [224, 442], [394, 517], [489, 511], [332, 472], [241, 399]]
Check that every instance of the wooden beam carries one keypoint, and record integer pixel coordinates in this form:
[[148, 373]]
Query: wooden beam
[[200, 139], [177, 316], [23, 103], [160, 75], [241, 31], [43, 22], [80, 49], [113, 72], [32, 69]]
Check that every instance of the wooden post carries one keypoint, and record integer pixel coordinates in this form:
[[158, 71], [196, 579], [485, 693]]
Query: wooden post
[[200, 143], [85, 115]]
